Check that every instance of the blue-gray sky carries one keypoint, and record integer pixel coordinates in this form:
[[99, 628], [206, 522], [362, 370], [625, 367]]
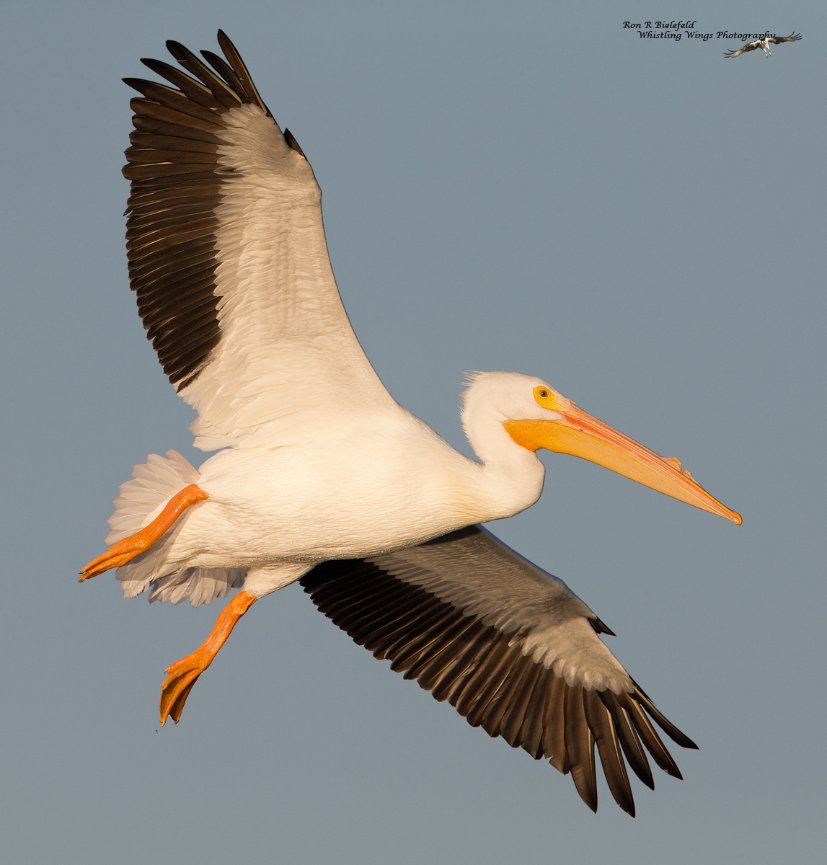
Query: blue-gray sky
[[518, 186]]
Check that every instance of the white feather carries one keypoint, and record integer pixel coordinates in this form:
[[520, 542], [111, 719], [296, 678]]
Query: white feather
[[153, 484], [140, 500]]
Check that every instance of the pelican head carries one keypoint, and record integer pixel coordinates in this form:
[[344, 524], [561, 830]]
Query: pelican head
[[534, 415]]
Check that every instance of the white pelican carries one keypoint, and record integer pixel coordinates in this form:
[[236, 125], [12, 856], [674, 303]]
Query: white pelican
[[763, 44], [321, 477]]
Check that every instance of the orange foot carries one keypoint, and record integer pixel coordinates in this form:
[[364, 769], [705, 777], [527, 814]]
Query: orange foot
[[125, 550], [183, 674]]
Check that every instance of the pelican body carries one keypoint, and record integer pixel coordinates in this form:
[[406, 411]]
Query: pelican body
[[320, 476]]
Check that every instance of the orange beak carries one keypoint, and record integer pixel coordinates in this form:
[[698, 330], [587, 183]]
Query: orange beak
[[576, 432]]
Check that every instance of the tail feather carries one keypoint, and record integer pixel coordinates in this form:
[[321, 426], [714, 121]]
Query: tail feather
[[153, 484], [140, 500], [200, 585]]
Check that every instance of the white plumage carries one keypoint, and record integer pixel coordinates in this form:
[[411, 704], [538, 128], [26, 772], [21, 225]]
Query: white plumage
[[320, 476], [141, 499], [362, 484]]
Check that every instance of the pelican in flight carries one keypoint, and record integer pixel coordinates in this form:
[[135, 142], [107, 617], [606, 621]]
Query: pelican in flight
[[321, 477], [763, 44]]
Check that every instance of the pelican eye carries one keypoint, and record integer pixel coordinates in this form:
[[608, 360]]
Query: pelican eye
[[544, 396]]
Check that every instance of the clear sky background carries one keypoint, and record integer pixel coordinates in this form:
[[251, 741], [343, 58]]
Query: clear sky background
[[517, 185]]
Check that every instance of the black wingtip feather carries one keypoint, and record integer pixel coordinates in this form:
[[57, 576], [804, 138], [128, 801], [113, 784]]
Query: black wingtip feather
[[291, 140], [600, 627], [240, 69], [580, 747], [629, 741], [604, 728], [220, 65]]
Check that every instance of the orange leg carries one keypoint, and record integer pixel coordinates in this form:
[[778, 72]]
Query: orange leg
[[126, 549], [183, 674]]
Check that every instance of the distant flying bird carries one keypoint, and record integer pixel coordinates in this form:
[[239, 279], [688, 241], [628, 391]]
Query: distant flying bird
[[762, 43], [323, 478]]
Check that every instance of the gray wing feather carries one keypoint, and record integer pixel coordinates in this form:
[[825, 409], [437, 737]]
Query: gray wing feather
[[511, 647]]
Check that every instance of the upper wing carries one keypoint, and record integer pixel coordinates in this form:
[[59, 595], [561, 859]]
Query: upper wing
[[750, 46], [228, 257], [511, 647], [793, 37]]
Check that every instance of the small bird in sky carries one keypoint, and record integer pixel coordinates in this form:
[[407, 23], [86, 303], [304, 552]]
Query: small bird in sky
[[764, 44]]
